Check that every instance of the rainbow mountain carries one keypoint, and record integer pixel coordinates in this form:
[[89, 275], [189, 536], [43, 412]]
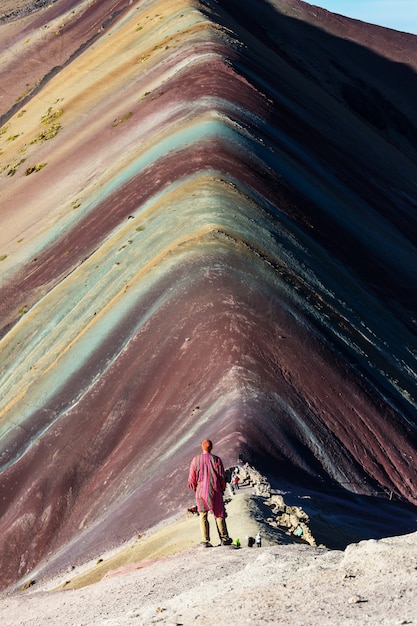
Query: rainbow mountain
[[208, 229]]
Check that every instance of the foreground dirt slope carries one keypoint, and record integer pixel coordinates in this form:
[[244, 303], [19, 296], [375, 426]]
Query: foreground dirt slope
[[368, 584]]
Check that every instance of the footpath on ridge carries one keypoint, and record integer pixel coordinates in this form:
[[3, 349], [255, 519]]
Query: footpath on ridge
[[264, 512], [251, 509]]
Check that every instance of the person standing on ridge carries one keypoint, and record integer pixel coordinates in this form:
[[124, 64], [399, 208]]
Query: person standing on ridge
[[207, 478], [236, 481]]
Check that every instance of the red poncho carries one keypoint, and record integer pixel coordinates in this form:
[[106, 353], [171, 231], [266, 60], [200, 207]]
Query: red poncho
[[208, 480]]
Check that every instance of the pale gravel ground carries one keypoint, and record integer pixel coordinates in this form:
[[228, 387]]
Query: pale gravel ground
[[370, 583]]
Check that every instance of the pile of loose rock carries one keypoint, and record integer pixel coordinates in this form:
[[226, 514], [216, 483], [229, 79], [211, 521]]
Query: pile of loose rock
[[291, 519]]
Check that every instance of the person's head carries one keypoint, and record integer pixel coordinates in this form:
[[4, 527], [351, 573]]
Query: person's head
[[206, 445]]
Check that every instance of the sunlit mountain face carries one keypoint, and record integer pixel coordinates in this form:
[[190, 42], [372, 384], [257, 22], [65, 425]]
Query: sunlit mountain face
[[208, 229]]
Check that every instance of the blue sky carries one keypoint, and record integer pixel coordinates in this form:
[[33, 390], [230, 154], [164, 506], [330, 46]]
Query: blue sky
[[397, 14]]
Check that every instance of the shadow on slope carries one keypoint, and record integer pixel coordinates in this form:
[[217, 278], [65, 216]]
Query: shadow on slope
[[339, 517]]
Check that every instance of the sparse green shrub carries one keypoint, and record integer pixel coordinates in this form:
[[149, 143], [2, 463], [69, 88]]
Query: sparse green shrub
[[13, 168], [25, 93], [51, 115], [48, 133], [122, 119], [35, 168]]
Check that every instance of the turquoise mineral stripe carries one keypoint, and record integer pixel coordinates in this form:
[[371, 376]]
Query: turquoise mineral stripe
[[176, 141]]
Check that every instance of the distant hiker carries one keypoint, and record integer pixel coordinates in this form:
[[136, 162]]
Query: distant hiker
[[258, 540], [207, 478], [236, 481]]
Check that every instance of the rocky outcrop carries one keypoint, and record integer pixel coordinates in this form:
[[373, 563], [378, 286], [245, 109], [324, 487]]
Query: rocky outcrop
[[291, 519]]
